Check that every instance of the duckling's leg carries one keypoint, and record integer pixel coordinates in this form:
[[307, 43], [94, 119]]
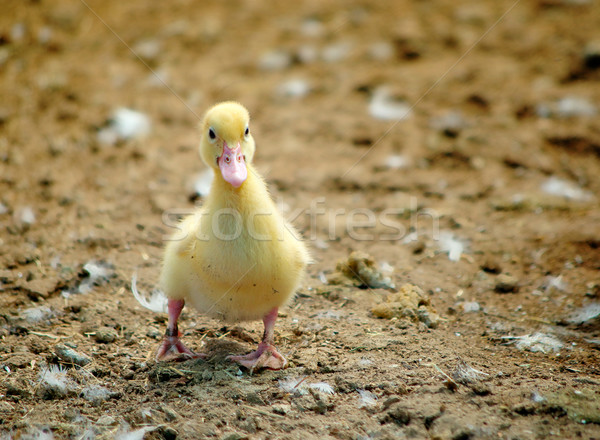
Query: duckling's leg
[[172, 348], [266, 355]]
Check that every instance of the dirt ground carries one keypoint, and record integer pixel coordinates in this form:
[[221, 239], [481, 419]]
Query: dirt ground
[[477, 196]]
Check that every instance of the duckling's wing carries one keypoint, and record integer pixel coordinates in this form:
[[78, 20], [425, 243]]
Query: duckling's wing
[[184, 243]]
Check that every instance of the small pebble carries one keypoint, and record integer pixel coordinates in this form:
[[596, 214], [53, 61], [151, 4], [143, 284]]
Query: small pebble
[[591, 55], [472, 306], [24, 217], [307, 54], [450, 123], [71, 356], [294, 88], [312, 28], [506, 284], [491, 265], [275, 60], [96, 394], [381, 51], [336, 52], [398, 415], [17, 32], [148, 49], [106, 335], [106, 420]]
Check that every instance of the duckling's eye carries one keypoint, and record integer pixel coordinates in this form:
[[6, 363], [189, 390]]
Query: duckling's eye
[[239, 158], [247, 132], [227, 159], [211, 134]]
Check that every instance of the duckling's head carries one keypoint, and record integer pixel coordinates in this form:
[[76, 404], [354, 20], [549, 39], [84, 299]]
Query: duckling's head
[[227, 144]]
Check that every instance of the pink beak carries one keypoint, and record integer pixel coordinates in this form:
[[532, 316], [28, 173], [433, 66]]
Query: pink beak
[[233, 165]]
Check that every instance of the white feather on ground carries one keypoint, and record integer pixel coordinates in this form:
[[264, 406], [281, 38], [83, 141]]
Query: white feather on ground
[[99, 272], [24, 216], [555, 283], [567, 107], [367, 399], [294, 88], [37, 314], [124, 124], [157, 301], [385, 107], [464, 373], [55, 376], [138, 434], [537, 342], [450, 244], [564, 188], [299, 386], [396, 162]]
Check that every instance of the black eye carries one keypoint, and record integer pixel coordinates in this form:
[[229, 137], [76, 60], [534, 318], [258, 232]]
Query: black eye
[[247, 132], [211, 134]]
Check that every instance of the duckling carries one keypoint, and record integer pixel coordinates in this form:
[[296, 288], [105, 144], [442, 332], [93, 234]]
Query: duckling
[[235, 258]]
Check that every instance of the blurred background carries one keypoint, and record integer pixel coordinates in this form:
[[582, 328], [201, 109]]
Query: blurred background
[[475, 122]]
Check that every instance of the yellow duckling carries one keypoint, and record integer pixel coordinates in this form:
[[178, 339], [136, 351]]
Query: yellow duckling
[[236, 258]]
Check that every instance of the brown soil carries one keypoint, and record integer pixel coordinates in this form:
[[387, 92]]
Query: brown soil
[[531, 259]]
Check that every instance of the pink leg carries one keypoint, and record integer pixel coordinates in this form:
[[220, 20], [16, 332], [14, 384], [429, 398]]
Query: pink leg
[[172, 348], [266, 355]]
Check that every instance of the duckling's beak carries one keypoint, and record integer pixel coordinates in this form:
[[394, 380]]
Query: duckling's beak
[[233, 165]]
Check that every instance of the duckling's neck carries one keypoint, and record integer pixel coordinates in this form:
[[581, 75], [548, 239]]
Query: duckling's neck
[[250, 195]]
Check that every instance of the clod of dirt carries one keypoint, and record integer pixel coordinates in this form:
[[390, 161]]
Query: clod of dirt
[[480, 389], [397, 414], [506, 284], [450, 124], [96, 394], [20, 360], [164, 373], [583, 406], [452, 427], [409, 302], [70, 356], [106, 335], [106, 420], [344, 386], [17, 388], [317, 402], [359, 270], [39, 289], [491, 265]]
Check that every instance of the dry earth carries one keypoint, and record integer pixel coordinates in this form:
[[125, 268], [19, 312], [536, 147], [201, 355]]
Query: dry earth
[[484, 199]]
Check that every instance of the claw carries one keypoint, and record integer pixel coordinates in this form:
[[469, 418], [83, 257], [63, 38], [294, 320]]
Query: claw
[[172, 349], [265, 356]]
